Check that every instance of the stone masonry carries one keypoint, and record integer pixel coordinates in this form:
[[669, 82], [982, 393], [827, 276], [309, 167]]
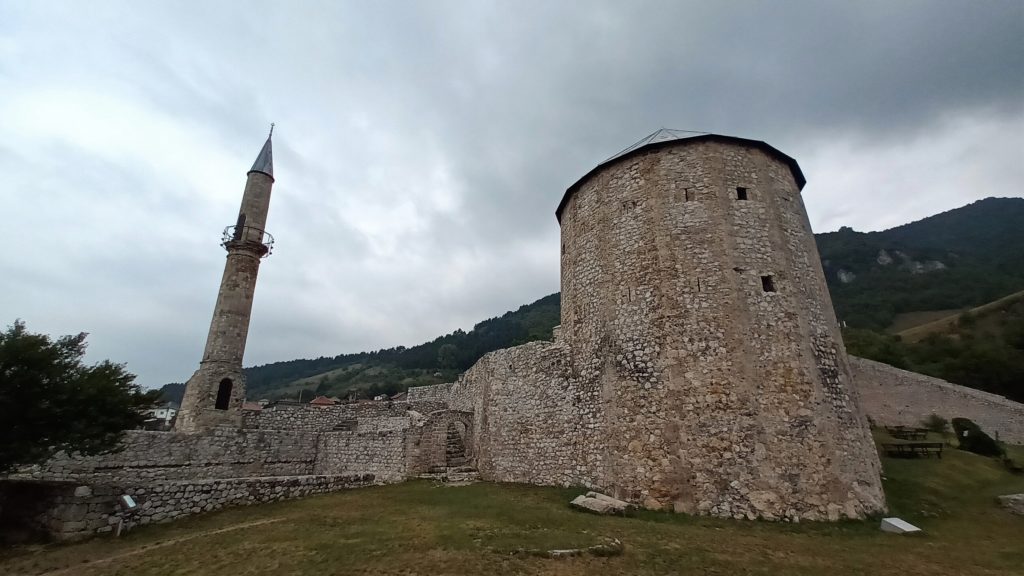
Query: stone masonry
[[894, 397], [700, 366], [215, 393]]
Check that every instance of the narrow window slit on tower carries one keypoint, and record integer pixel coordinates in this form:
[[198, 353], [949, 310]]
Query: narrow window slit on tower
[[223, 395], [741, 193], [768, 283], [689, 194]]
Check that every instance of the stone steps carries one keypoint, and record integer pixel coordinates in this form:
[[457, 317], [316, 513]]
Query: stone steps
[[453, 475]]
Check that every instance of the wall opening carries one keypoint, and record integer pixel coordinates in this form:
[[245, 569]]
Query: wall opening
[[688, 194], [223, 394], [741, 193], [768, 283]]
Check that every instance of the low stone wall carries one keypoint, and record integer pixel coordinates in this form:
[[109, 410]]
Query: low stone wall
[[221, 453], [304, 417], [69, 511], [891, 397]]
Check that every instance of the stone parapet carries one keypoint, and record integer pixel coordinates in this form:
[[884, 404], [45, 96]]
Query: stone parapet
[[305, 417]]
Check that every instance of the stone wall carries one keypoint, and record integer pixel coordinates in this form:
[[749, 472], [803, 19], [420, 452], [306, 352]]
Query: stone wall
[[71, 511], [891, 396], [528, 422], [436, 392], [337, 417], [219, 453], [381, 453]]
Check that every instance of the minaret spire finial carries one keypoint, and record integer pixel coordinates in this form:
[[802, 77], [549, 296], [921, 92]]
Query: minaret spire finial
[[265, 161]]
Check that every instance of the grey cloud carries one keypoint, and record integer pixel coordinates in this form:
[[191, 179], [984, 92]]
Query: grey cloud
[[422, 147]]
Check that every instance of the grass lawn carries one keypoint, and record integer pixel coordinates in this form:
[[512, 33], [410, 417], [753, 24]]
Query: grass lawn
[[419, 528]]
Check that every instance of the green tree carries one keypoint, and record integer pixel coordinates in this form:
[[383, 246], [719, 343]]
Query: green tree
[[50, 401], [447, 356]]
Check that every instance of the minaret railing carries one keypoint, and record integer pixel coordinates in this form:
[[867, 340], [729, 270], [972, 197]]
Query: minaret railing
[[248, 237]]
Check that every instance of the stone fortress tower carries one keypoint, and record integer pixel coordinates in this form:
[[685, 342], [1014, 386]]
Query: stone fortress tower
[[699, 366], [215, 393], [702, 338]]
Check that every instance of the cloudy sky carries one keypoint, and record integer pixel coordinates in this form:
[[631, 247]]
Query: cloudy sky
[[421, 147]]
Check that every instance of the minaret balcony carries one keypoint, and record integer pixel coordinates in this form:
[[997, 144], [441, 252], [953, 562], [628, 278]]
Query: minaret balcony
[[248, 238]]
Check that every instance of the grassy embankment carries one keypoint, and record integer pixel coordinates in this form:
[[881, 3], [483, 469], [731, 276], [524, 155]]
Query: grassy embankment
[[419, 528]]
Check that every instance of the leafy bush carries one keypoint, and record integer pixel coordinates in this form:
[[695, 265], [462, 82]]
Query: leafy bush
[[973, 439], [936, 423]]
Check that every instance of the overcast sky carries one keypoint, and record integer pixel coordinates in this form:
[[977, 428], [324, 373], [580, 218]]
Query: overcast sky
[[421, 147]]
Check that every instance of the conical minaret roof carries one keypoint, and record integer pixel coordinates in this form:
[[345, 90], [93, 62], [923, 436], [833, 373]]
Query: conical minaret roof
[[265, 161]]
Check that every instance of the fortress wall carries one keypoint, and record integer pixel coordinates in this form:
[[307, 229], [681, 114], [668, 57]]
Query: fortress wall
[[526, 423], [891, 397], [699, 389], [436, 393], [73, 511], [326, 418], [220, 453], [381, 453]]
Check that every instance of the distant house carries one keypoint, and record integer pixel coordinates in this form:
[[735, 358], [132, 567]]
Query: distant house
[[322, 401], [160, 418]]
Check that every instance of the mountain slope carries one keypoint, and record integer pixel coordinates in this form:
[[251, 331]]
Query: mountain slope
[[960, 258]]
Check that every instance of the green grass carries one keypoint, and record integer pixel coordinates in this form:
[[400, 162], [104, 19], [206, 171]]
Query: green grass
[[943, 324], [908, 320], [419, 528]]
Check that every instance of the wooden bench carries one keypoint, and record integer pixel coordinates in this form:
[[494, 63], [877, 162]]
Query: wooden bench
[[913, 449]]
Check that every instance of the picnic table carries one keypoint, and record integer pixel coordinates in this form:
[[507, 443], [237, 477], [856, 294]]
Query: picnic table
[[913, 449], [905, 433]]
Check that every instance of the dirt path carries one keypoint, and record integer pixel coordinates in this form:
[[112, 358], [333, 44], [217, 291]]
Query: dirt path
[[160, 544]]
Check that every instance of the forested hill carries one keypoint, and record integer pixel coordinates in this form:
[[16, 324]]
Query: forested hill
[[958, 259], [394, 369]]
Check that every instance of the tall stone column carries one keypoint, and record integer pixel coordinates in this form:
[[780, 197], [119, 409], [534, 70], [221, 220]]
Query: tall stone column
[[215, 393]]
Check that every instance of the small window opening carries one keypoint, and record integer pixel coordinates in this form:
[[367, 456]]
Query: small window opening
[[768, 283], [689, 194], [223, 394], [741, 193]]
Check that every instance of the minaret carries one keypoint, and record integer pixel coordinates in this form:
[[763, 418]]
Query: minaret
[[214, 394]]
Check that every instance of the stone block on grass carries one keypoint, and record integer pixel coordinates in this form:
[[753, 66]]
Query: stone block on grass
[[1013, 502], [898, 526], [603, 505]]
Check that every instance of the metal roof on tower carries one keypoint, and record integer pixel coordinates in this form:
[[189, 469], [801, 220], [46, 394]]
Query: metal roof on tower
[[265, 161], [666, 136]]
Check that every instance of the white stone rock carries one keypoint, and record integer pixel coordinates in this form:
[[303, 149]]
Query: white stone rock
[[1013, 502], [597, 505], [898, 526]]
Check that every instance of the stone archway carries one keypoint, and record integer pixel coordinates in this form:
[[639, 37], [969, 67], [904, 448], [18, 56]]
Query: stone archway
[[444, 440]]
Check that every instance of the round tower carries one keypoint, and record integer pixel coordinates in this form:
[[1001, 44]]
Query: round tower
[[215, 393], [703, 343]]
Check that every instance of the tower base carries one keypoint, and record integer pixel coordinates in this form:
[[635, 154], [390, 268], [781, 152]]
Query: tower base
[[213, 397]]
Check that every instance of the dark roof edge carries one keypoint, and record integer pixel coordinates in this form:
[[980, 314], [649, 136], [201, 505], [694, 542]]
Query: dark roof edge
[[793, 166]]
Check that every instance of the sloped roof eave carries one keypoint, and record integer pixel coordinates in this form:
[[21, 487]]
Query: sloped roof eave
[[798, 174]]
